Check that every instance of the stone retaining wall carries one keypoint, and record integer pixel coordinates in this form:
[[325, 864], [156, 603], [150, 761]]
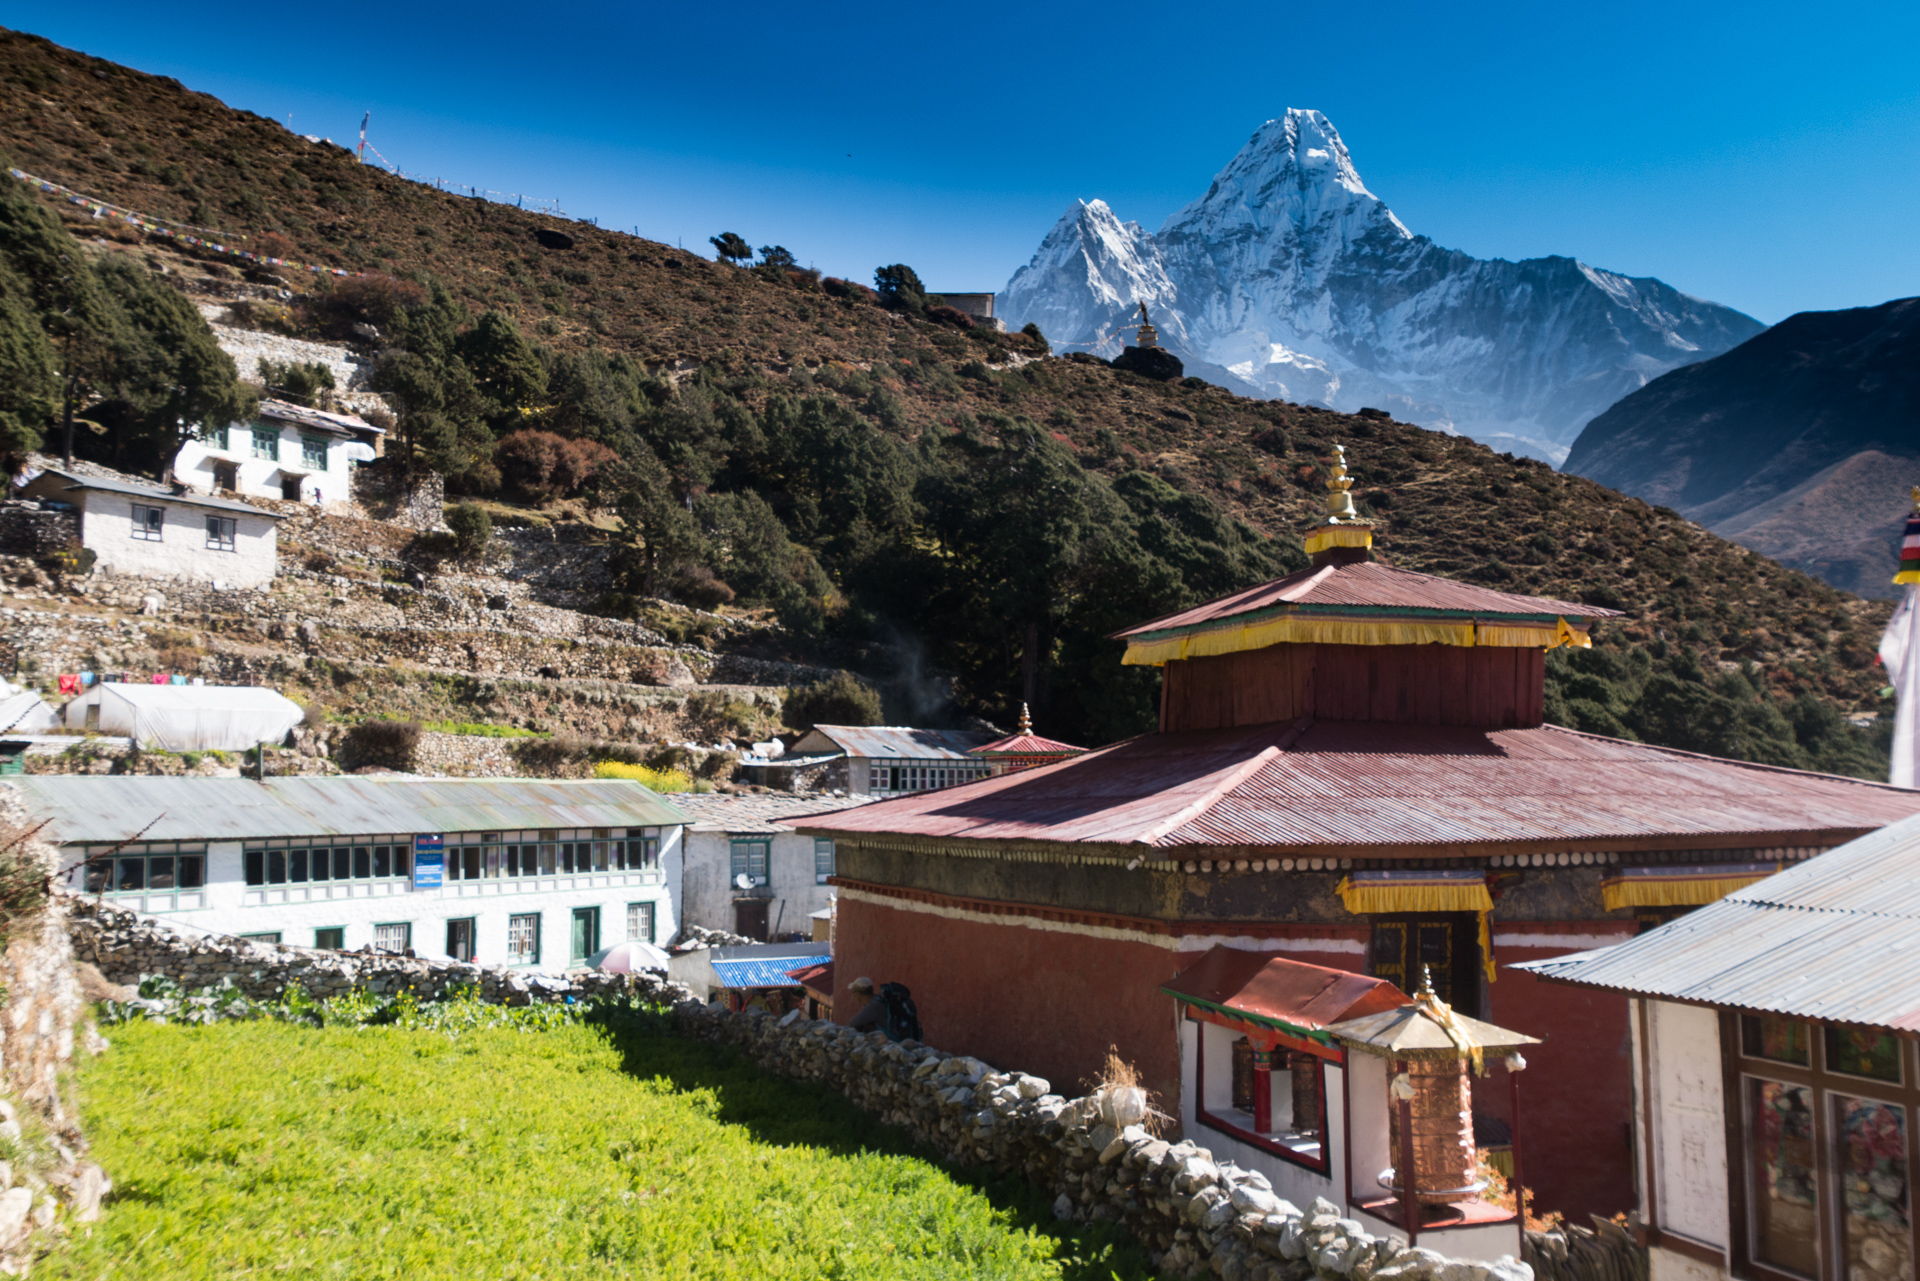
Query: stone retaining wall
[[1194, 1214], [29, 529], [126, 948]]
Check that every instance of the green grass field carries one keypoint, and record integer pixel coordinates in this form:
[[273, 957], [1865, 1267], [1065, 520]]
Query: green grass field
[[273, 1150]]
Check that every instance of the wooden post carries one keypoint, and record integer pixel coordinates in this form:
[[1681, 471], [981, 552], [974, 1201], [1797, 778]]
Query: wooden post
[[1519, 1192], [1403, 1165], [1262, 1089]]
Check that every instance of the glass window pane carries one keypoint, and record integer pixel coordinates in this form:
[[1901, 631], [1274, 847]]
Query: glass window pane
[[1863, 1052], [362, 861], [341, 855], [402, 861], [382, 860], [470, 857], [276, 867], [546, 860], [1876, 1228], [191, 877], [133, 874], [297, 859], [1785, 1195], [320, 863], [1768, 1036], [160, 872], [256, 867]]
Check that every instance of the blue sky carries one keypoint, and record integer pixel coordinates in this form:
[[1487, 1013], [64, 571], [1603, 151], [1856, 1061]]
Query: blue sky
[[1761, 155]]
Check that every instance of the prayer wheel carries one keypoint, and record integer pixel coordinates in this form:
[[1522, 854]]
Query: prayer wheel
[[1442, 1116], [1243, 1075], [1306, 1092]]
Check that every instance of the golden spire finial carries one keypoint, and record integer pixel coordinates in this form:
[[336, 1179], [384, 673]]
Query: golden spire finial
[[1340, 510], [1026, 721], [1916, 500]]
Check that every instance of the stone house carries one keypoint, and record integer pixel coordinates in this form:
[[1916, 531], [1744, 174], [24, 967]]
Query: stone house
[[1776, 1082], [287, 452], [535, 873], [155, 532], [743, 869]]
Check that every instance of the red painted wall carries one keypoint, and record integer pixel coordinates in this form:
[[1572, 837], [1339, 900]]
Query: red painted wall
[[1576, 1096]]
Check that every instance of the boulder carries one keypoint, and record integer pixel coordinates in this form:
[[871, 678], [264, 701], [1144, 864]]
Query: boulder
[[1156, 363]]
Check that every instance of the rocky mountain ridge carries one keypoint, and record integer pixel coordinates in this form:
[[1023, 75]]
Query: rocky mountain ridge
[[1290, 279]]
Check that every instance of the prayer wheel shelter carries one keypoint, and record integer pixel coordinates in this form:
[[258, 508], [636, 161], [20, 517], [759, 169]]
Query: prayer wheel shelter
[[1351, 770], [1776, 1059]]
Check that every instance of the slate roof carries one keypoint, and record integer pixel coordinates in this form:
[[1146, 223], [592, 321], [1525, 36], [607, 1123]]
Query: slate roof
[[1833, 938], [1353, 787], [717, 812], [896, 742], [155, 493]]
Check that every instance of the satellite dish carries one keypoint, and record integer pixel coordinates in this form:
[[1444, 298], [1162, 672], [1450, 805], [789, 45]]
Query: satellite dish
[[743, 881]]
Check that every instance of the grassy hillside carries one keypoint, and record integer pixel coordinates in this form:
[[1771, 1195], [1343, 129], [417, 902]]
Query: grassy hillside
[[930, 501]]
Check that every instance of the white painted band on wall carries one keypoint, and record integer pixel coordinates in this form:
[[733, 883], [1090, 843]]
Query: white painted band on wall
[[1171, 942]]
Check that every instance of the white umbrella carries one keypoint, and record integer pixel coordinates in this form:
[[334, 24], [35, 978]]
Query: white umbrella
[[628, 958]]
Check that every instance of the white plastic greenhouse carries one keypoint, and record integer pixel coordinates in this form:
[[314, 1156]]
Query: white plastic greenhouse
[[185, 718]]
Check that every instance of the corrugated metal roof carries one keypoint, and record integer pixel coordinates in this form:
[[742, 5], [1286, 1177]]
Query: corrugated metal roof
[[1298, 997], [714, 811], [1350, 784], [92, 810], [1836, 938], [159, 495], [899, 742], [763, 971], [1370, 586], [1026, 745], [345, 424]]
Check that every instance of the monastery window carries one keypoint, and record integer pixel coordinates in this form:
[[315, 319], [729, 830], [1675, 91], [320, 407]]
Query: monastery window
[[1227, 1078], [1444, 944], [139, 869], [393, 936], [148, 522], [640, 921], [1823, 1177], [822, 859], [313, 452], [751, 858], [221, 534], [523, 939]]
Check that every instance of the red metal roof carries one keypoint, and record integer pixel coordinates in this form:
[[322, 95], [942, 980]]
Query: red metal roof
[[1372, 586], [1347, 784], [1026, 745], [1308, 997]]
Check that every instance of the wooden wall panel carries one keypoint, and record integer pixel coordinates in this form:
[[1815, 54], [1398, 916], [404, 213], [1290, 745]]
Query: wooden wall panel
[[1399, 684]]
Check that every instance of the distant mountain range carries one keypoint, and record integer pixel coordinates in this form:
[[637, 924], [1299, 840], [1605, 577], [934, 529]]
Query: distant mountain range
[[1290, 280], [1800, 443]]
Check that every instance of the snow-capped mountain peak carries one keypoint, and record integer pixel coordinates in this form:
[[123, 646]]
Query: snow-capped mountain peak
[[1291, 279]]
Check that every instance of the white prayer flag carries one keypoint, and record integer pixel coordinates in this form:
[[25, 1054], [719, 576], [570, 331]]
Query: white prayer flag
[[1900, 651]]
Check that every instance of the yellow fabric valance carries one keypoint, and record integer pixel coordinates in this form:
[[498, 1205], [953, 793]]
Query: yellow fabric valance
[[1295, 629], [1412, 893], [1678, 886], [1325, 536]]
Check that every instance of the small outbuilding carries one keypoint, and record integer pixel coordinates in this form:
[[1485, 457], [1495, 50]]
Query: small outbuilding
[[157, 532], [896, 760], [185, 718]]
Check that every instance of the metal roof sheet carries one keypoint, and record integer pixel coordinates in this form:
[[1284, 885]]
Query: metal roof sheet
[[717, 812], [345, 424], [158, 494], [1835, 938], [1410, 1031], [1303, 998], [84, 809], [1350, 784], [764, 971], [1026, 745], [901, 742], [1371, 586]]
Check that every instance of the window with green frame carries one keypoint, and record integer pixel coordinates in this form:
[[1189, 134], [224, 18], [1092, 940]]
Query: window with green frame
[[751, 856], [330, 938], [266, 443], [313, 452], [215, 437], [822, 859], [523, 939]]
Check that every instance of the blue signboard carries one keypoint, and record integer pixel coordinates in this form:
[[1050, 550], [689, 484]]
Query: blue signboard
[[429, 861]]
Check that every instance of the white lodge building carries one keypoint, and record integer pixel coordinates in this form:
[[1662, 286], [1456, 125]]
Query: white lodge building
[[287, 452], [531, 872], [157, 533]]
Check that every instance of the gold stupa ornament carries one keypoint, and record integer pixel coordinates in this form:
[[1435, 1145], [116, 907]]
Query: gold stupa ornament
[[1148, 336], [1344, 526]]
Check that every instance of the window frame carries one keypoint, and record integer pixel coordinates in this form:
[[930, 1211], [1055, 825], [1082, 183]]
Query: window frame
[[650, 911], [313, 451], [740, 860], [149, 530], [216, 437], [223, 534], [319, 946], [265, 444], [97, 873], [1266, 1143], [823, 871], [347, 859], [406, 936], [264, 936], [1739, 1071], [532, 958]]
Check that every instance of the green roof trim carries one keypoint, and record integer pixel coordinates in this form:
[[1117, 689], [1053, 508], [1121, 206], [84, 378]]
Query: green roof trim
[[1278, 1025]]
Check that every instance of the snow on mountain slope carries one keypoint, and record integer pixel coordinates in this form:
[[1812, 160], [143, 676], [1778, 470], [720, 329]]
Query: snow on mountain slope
[[1289, 277]]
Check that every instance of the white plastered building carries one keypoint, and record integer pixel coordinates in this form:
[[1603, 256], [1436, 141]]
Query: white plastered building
[[533, 873], [729, 838], [286, 451], [152, 532]]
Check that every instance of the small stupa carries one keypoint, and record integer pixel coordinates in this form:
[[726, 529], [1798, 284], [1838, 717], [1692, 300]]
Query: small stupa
[[1147, 357], [1149, 336]]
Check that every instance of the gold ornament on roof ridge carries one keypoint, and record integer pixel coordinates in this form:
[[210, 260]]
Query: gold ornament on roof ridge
[[1340, 509]]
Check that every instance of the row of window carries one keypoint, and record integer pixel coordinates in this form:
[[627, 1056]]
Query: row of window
[[752, 857], [264, 442], [552, 858], [136, 869], [317, 861], [523, 934], [150, 522], [922, 778]]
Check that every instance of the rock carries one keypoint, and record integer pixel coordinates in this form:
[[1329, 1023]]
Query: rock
[[1249, 1199], [552, 239], [1156, 363], [1062, 1206], [1461, 1270], [1508, 1268], [1032, 1087], [1114, 1150], [1194, 1173], [1218, 1215], [15, 1205], [152, 603], [309, 632]]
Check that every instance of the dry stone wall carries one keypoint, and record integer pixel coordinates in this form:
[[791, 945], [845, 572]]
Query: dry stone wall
[[126, 948], [1193, 1213]]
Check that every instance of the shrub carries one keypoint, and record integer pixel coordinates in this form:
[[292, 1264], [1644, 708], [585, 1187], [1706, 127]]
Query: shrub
[[1031, 332], [840, 699], [472, 529], [952, 317], [389, 744], [539, 466], [696, 585], [900, 289], [850, 289], [671, 780]]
